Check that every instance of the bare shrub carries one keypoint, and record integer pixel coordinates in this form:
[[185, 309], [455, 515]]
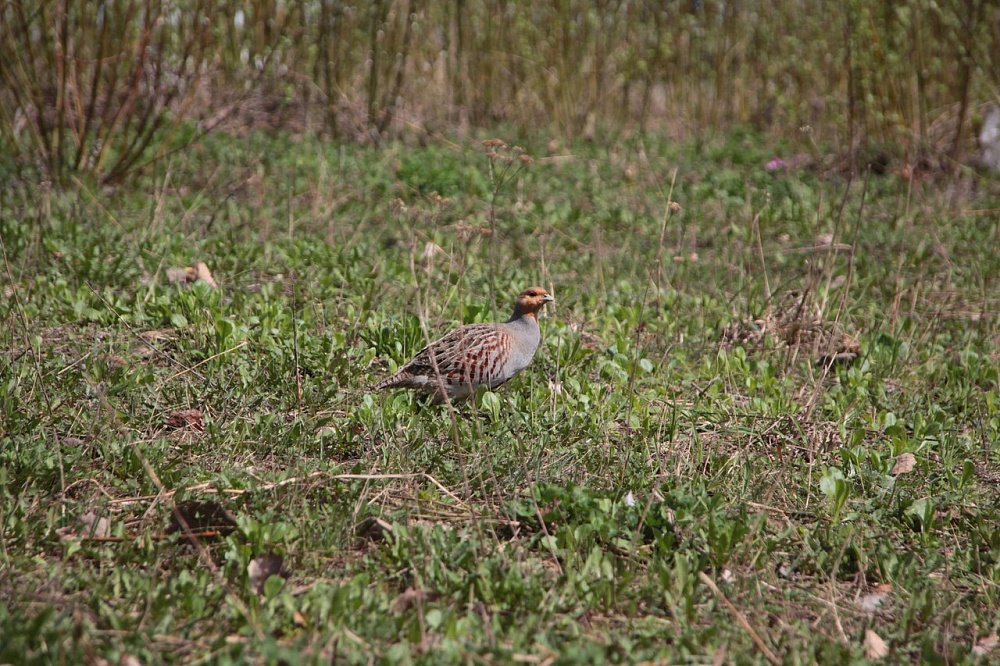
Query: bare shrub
[[91, 87]]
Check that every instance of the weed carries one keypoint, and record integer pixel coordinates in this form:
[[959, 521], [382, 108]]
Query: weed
[[684, 473]]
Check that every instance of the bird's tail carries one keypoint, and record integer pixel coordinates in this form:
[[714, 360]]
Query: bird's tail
[[392, 381]]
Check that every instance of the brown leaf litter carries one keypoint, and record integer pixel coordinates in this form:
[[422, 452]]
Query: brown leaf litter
[[189, 274], [88, 526], [186, 418], [986, 645], [875, 598], [875, 647], [795, 321], [904, 464], [409, 598]]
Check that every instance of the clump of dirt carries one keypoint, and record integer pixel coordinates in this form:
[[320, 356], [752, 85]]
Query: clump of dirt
[[795, 321]]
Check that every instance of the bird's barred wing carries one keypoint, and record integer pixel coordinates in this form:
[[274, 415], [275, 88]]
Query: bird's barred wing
[[471, 353]]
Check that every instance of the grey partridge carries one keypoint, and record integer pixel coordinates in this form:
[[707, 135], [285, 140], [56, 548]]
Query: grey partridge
[[453, 366]]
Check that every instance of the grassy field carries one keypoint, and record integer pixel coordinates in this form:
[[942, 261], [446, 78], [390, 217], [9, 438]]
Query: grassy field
[[763, 425]]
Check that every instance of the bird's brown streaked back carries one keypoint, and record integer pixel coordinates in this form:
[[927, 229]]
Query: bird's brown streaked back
[[453, 366]]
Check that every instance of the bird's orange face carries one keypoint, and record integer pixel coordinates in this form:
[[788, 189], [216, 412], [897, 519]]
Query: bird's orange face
[[533, 299]]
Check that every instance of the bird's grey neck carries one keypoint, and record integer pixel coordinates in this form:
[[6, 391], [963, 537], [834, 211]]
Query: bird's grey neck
[[520, 315]]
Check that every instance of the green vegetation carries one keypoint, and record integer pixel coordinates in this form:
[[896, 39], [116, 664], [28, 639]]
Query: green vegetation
[[698, 466]]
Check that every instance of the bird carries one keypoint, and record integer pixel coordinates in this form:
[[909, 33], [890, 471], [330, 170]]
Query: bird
[[455, 365]]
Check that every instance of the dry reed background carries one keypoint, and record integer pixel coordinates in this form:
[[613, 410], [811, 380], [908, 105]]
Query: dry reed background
[[105, 87]]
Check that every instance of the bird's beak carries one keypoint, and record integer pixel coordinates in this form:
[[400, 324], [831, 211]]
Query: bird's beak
[[547, 298]]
